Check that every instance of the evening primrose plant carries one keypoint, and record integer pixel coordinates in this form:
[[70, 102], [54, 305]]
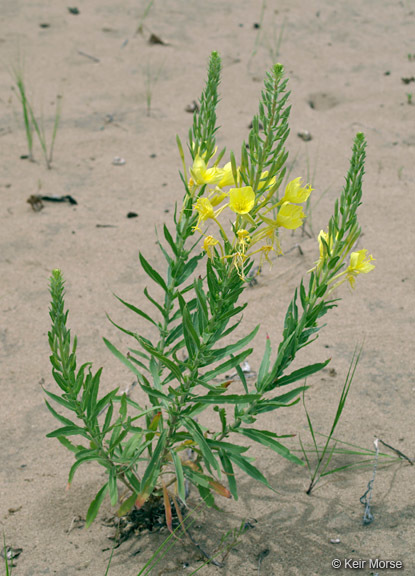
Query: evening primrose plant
[[232, 213]]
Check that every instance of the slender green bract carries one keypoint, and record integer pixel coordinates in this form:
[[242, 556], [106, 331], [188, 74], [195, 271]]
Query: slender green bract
[[194, 362]]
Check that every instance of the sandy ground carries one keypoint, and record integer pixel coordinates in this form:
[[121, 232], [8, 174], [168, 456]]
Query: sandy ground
[[348, 60]]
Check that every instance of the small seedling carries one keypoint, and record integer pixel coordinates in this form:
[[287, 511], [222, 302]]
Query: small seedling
[[140, 27], [333, 446], [409, 98], [32, 124], [151, 78]]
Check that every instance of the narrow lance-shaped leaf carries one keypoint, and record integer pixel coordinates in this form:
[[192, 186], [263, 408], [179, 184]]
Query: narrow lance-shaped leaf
[[96, 505], [154, 275], [266, 439]]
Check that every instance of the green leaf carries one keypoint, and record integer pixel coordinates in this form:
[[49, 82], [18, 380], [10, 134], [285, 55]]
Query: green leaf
[[190, 335], [170, 240], [206, 496], [189, 269], [153, 468], [82, 456], [179, 474], [68, 431], [230, 474], [232, 348], [226, 446], [228, 365], [197, 435], [267, 440], [264, 367], [154, 275], [196, 478], [123, 359], [65, 442], [298, 374], [249, 469], [169, 364], [108, 418], [226, 398], [65, 403], [59, 417], [96, 505], [282, 401], [127, 505], [112, 485], [106, 400], [136, 310], [154, 302]]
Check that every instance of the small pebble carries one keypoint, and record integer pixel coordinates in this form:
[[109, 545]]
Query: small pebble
[[305, 135], [246, 368], [335, 540], [118, 161]]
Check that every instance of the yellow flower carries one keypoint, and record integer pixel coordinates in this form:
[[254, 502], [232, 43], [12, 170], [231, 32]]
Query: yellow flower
[[265, 250], [290, 216], [324, 242], [296, 193], [208, 244], [205, 210], [360, 263], [217, 196], [241, 200], [243, 239], [201, 174], [264, 177], [227, 179]]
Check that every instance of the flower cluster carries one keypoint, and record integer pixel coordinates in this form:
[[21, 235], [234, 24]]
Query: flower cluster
[[359, 262], [256, 216]]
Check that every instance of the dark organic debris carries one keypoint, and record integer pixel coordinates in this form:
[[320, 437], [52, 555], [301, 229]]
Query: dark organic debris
[[105, 226], [44, 25], [151, 517], [93, 58], [260, 126], [36, 200], [154, 39], [9, 553], [74, 11], [66, 198], [408, 80], [193, 107], [132, 215]]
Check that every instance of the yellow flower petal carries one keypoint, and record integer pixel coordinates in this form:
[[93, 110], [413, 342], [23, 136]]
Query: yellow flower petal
[[208, 244], [201, 174], [360, 263], [217, 196], [241, 200], [227, 179], [290, 216], [295, 192]]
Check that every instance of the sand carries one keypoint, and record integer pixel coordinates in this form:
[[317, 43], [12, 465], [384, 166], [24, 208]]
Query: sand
[[346, 62]]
